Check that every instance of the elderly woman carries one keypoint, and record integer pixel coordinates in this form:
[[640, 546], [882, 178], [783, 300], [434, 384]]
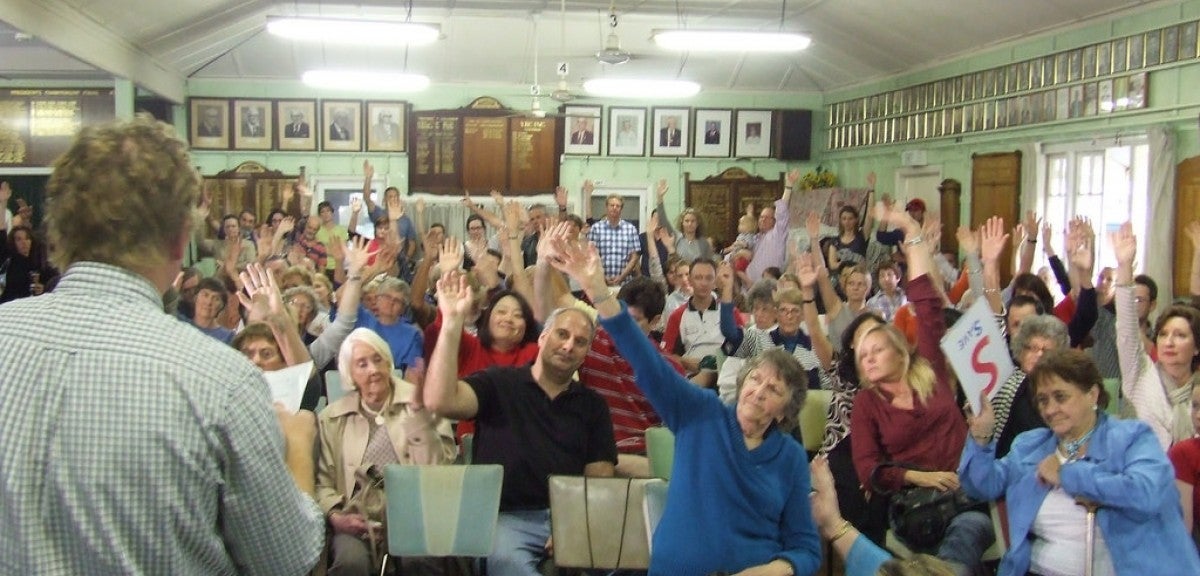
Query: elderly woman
[[1084, 456], [739, 461], [380, 421], [1013, 402], [1158, 392], [907, 412]]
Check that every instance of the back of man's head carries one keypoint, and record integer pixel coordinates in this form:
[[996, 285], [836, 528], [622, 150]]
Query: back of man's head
[[645, 295], [122, 194]]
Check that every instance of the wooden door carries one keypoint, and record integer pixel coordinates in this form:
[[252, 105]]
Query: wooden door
[[1187, 209], [996, 191]]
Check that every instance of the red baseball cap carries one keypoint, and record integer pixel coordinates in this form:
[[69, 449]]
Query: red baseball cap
[[915, 204]]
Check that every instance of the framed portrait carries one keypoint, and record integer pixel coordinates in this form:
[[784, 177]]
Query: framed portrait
[[294, 122], [1060, 68], [1049, 107], [1120, 50], [1153, 48], [1075, 106], [671, 129], [753, 138], [253, 124], [1022, 75], [386, 126], [1170, 44], [1033, 110], [209, 123], [1105, 102], [1062, 104], [711, 136], [1047, 71], [1075, 65], [342, 123], [626, 131], [1187, 41], [581, 130], [1090, 92], [1089, 61], [1035, 73], [1120, 93]]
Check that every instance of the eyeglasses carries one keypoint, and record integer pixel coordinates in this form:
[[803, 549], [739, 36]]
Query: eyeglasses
[[789, 311], [1039, 349]]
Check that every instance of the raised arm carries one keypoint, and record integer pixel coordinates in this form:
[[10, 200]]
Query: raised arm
[[368, 179], [806, 272], [664, 219], [549, 289], [445, 394], [992, 239], [833, 302], [729, 329], [1081, 256], [1030, 227], [263, 302], [511, 248]]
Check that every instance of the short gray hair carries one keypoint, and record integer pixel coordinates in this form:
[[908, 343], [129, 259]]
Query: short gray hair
[[560, 311], [791, 372], [762, 292], [390, 284], [1042, 326]]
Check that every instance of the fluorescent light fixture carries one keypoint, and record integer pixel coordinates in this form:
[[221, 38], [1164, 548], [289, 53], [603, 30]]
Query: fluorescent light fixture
[[635, 88], [730, 41], [366, 81], [343, 31]]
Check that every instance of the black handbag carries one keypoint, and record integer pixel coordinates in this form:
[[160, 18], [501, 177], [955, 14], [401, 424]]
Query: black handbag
[[917, 515]]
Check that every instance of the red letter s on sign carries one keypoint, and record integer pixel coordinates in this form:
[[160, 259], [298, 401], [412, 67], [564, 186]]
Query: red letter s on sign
[[988, 368]]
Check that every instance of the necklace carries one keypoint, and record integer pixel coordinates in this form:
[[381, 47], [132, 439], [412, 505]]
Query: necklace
[[377, 414], [1071, 448]]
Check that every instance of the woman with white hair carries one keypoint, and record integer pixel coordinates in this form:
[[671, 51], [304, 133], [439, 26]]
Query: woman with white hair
[[380, 421]]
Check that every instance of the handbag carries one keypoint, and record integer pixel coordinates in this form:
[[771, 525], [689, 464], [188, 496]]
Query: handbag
[[917, 515], [599, 522]]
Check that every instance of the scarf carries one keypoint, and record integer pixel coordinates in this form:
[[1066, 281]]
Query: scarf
[[1002, 401], [1180, 398]]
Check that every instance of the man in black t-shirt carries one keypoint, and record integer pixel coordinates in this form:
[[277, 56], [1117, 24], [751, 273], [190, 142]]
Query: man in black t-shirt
[[513, 408]]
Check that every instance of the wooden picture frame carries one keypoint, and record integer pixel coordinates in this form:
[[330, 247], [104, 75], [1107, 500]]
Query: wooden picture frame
[[387, 125], [712, 136], [208, 123], [341, 123], [581, 130], [253, 124], [296, 125], [753, 137], [669, 136], [626, 131]]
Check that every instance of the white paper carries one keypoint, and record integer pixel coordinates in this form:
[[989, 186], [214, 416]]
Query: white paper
[[978, 353], [287, 385]]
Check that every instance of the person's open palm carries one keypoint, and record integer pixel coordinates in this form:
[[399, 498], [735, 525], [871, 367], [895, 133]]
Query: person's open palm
[[992, 239], [451, 256], [1124, 244], [454, 295]]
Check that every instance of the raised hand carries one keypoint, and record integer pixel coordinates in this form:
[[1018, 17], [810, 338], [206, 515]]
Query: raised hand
[[395, 207], [931, 230], [420, 205], [1031, 224], [661, 190], [560, 196], [793, 177], [286, 193], [262, 299], [983, 424], [806, 271], [812, 224], [431, 245], [871, 180], [1081, 245], [968, 240], [454, 295], [545, 246], [588, 187], [992, 238], [466, 199], [512, 215], [356, 204], [287, 225], [724, 276], [368, 170], [1124, 244], [1047, 234], [497, 197], [357, 255], [823, 498], [451, 256], [580, 263]]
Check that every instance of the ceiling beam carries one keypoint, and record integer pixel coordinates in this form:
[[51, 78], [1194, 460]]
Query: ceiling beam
[[69, 30]]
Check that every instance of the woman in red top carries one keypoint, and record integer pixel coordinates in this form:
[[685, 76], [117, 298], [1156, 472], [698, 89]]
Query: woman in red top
[[907, 411]]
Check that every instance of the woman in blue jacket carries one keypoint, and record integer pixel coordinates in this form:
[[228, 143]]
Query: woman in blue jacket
[[738, 498], [1083, 456]]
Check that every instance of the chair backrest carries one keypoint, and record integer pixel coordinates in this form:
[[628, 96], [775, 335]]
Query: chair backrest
[[660, 451], [442, 510], [652, 507], [466, 448], [599, 522], [813, 418], [333, 386], [1113, 387]]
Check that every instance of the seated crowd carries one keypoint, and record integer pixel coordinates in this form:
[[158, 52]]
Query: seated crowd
[[557, 343]]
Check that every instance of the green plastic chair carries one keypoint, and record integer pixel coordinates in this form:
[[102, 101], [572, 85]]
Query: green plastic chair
[[813, 418], [652, 506], [442, 510], [660, 450]]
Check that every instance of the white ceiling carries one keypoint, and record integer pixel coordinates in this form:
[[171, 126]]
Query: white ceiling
[[162, 43]]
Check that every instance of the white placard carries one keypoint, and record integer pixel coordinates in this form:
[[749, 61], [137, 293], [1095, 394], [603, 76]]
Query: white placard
[[978, 353], [287, 385]]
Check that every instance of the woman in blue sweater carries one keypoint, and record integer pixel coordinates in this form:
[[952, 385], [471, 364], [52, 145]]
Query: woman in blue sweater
[[738, 498]]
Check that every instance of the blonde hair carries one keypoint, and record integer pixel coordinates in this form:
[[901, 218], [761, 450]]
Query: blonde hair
[[346, 354], [918, 374], [122, 194]]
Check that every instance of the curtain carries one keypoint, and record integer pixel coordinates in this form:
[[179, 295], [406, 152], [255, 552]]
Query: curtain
[[1160, 214]]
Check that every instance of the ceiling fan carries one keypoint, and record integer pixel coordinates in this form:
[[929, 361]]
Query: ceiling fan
[[612, 53], [535, 89], [562, 93]]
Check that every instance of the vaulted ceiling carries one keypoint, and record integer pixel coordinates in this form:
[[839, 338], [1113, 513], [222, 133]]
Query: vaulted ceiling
[[162, 44]]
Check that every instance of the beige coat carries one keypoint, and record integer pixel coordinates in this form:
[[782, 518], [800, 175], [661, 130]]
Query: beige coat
[[418, 436]]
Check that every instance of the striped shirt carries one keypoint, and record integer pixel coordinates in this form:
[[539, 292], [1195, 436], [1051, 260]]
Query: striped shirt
[[134, 444], [615, 244]]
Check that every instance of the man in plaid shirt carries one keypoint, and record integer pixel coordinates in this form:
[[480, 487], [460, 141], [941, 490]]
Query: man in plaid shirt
[[617, 241]]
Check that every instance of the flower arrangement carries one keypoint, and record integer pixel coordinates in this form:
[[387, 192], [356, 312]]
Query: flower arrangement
[[819, 178]]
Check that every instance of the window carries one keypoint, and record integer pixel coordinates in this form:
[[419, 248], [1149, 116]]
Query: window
[[1106, 181]]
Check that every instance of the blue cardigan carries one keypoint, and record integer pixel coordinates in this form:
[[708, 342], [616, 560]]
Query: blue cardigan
[[728, 508], [1125, 470]]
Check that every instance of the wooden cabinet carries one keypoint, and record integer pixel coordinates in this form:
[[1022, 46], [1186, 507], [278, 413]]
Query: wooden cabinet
[[995, 191], [723, 198], [249, 186]]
